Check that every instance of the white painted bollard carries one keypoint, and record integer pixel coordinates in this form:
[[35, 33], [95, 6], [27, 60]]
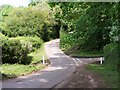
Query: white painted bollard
[[101, 60], [43, 59]]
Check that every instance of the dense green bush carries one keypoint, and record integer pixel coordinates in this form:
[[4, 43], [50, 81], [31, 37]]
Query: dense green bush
[[13, 52], [33, 43], [66, 40], [3, 39], [111, 54]]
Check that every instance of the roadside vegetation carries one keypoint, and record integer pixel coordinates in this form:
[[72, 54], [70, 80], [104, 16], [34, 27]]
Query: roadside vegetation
[[14, 70], [36, 59], [38, 55], [23, 33], [92, 29], [86, 29], [106, 73]]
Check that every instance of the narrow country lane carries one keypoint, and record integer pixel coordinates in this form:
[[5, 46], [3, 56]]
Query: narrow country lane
[[61, 67]]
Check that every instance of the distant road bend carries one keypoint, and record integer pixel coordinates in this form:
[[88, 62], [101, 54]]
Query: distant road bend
[[61, 67]]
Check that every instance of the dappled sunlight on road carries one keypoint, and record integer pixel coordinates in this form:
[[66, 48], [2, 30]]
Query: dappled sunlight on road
[[43, 80], [54, 68]]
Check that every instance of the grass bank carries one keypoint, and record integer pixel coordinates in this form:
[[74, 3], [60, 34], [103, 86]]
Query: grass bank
[[71, 47], [14, 70], [107, 74], [37, 56], [74, 51]]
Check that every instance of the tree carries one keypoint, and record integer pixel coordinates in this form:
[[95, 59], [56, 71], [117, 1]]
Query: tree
[[4, 11], [28, 21]]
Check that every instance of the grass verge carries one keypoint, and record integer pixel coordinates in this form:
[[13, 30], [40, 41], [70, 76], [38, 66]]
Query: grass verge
[[14, 70], [108, 75], [37, 56]]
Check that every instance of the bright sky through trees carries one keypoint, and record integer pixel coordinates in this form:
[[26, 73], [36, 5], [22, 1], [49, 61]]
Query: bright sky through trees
[[16, 3]]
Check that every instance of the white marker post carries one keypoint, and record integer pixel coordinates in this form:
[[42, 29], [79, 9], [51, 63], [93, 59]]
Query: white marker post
[[43, 59], [101, 60]]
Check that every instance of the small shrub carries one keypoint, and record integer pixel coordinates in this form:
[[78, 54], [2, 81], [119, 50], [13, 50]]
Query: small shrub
[[33, 43], [111, 54], [13, 52]]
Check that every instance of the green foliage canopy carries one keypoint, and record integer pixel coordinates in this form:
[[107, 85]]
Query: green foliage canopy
[[28, 21]]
